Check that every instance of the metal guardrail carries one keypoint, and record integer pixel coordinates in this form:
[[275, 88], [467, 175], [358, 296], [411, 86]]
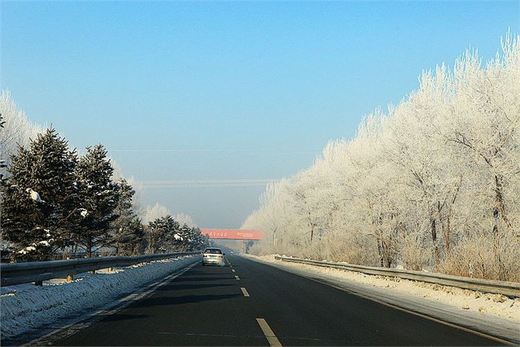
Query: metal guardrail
[[37, 271], [511, 289]]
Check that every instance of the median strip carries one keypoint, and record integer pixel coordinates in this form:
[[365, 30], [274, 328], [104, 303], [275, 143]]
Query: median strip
[[268, 332], [244, 291]]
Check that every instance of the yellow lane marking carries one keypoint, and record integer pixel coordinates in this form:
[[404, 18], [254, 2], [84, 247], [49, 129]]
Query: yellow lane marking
[[244, 291], [268, 332]]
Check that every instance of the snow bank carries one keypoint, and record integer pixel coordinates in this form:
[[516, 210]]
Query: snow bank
[[28, 307]]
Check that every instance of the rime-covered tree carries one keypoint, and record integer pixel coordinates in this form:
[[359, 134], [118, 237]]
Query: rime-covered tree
[[99, 198], [432, 183], [17, 129], [39, 210]]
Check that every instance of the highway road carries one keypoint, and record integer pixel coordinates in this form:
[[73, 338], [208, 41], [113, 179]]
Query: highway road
[[250, 303]]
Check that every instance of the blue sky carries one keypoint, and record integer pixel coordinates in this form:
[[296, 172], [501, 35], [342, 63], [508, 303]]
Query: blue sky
[[225, 91]]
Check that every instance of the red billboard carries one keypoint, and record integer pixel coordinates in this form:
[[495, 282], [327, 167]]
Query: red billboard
[[232, 234]]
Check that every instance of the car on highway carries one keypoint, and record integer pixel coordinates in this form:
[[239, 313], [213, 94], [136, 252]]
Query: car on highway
[[213, 256]]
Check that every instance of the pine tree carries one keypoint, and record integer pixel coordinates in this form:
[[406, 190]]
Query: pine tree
[[98, 194], [193, 239], [161, 231], [178, 237], [40, 198], [127, 228], [165, 234]]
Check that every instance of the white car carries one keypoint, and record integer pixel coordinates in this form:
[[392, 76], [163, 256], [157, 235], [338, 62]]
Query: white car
[[213, 256]]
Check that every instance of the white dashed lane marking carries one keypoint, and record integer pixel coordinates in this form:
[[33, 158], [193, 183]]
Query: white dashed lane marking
[[268, 332]]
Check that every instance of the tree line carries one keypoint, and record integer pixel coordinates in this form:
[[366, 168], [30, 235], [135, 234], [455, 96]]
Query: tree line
[[433, 183], [56, 202]]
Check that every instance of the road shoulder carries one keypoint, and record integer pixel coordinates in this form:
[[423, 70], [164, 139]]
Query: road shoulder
[[50, 326], [476, 322]]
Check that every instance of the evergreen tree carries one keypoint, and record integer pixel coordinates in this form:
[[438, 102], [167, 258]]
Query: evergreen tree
[[127, 228], [187, 237], [99, 198], [194, 240], [40, 198], [161, 231]]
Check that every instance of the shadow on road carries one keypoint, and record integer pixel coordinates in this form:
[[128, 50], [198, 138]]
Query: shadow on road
[[204, 278], [175, 286], [179, 300], [119, 317]]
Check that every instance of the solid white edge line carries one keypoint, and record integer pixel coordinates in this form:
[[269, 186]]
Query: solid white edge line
[[118, 304], [453, 325], [380, 301], [268, 332], [244, 291]]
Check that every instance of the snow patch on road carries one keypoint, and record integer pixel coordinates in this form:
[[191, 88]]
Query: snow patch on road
[[28, 307]]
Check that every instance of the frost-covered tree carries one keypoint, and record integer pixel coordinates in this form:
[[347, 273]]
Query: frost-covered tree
[[17, 129], [39, 210], [151, 213], [184, 219], [432, 183], [98, 198]]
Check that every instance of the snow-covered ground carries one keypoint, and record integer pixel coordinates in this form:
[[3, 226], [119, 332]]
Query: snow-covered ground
[[470, 308], [26, 307]]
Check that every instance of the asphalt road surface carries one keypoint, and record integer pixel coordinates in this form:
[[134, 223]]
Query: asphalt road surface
[[249, 303]]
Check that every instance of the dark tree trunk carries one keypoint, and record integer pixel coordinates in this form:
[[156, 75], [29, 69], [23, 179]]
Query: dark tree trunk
[[380, 252], [89, 248], [499, 213], [436, 254]]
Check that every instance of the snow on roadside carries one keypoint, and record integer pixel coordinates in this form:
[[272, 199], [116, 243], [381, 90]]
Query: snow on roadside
[[26, 307], [487, 305]]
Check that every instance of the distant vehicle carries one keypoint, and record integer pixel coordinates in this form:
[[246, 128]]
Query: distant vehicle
[[213, 256]]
